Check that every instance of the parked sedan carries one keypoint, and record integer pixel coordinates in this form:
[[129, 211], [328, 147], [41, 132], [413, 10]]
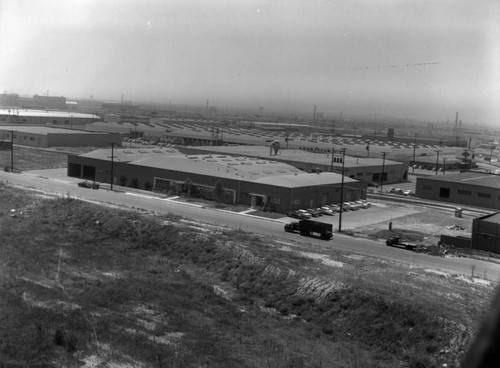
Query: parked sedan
[[326, 211], [87, 184], [313, 212]]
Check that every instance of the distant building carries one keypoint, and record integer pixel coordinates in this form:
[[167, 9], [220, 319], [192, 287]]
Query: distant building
[[248, 181], [468, 188], [50, 102], [486, 233], [44, 136], [368, 170], [45, 117], [9, 100]]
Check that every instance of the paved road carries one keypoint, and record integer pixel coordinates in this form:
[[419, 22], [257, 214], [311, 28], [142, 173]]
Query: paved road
[[50, 182]]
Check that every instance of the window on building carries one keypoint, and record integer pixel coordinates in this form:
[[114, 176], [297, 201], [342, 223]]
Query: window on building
[[296, 201], [484, 195], [464, 192], [359, 174], [376, 177], [275, 200], [444, 192], [32, 139]]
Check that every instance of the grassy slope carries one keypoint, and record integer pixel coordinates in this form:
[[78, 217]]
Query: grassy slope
[[82, 284]]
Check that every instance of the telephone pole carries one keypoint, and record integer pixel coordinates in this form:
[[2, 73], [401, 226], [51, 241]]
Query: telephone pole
[[342, 191], [382, 173], [331, 164], [437, 161], [112, 163], [12, 151]]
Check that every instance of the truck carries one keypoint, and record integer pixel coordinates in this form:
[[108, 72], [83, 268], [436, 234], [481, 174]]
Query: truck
[[310, 228], [396, 242]]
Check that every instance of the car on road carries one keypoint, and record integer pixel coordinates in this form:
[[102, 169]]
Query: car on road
[[409, 193], [89, 185]]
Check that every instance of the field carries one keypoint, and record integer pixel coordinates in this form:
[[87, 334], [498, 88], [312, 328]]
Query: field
[[88, 286]]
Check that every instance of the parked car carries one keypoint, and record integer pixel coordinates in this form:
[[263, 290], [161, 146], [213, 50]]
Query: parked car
[[351, 206], [399, 191], [326, 211], [300, 214], [410, 193], [334, 207], [313, 212], [390, 190], [362, 204], [87, 184]]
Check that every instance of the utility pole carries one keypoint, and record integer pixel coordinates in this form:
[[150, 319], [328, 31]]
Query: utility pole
[[112, 163], [331, 164], [382, 173], [437, 161], [12, 151], [342, 191], [413, 162]]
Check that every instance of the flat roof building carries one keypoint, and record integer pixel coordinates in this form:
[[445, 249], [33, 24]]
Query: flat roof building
[[366, 169], [16, 116], [249, 181], [468, 188], [46, 136]]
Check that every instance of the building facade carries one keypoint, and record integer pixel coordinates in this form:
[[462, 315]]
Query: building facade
[[246, 181], [468, 188], [486, 233]]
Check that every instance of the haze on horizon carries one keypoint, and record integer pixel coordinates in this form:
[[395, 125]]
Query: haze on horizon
[[422, 59]]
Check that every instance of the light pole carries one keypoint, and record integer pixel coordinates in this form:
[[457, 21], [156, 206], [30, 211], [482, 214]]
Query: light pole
[[342, 191], [437, 161]]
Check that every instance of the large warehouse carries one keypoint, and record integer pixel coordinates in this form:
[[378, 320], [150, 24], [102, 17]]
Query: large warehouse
[[45, 117], [468, 188], [365, 169], [44, 136], [249, 181]]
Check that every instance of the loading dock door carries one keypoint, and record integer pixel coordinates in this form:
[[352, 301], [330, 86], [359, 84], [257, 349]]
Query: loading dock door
[[74, 170], [88, 172]]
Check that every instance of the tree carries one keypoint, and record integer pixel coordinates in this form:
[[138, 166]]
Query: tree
[[218, 192]]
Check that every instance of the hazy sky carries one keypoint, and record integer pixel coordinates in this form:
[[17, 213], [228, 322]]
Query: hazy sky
[[414, 58]]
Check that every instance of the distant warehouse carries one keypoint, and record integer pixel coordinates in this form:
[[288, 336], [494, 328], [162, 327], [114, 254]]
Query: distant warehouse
[[468, 188], [370, 170], [44, 136], [15, 116], [248, 181]]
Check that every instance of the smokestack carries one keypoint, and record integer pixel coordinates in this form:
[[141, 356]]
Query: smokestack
[[314, 114], [456, 120]]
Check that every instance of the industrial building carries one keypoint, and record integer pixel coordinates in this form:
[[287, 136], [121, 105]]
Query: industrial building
[[248, 181], [45, 136], [467, 188], [370, 170], [486, 233], [16, 116]]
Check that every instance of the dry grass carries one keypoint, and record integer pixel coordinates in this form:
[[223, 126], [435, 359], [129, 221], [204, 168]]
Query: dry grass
[[82, 285]]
